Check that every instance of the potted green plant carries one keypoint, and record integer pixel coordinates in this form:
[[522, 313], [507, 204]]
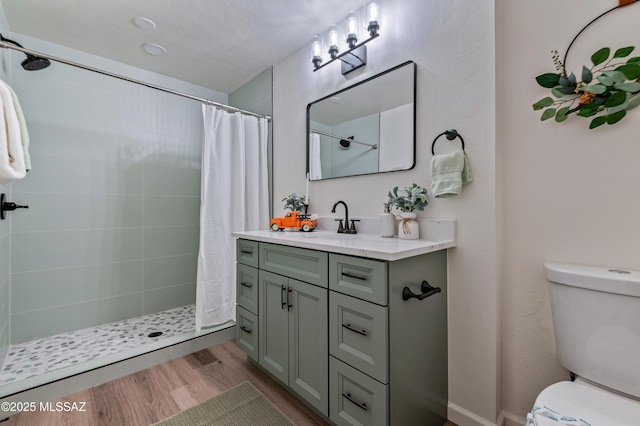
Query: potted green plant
[[294, 202], [407, 201]]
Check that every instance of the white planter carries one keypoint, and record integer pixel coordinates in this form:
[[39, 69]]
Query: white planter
[[408, 228]]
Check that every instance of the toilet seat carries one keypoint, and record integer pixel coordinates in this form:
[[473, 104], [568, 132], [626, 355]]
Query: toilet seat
[[587, 404]]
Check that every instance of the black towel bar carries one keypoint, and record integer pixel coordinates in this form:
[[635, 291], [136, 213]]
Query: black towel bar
[[427, 291], [451, 135]]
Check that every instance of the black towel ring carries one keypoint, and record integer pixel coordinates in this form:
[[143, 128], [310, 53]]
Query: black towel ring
[[451, 135]]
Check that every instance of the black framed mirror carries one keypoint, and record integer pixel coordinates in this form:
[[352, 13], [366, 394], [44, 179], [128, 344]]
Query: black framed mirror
[[365, 128]]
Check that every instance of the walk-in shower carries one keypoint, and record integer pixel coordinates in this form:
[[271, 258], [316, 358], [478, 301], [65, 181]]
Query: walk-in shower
[[105, 257]]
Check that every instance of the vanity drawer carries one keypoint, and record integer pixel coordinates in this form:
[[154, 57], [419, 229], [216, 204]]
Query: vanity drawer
[[362, 278], [355, 398], [358, 334], [302, 264], [247, 287], [247, 252], [247, 332]]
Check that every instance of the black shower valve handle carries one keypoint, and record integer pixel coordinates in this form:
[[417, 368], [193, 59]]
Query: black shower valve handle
[[8, 206]]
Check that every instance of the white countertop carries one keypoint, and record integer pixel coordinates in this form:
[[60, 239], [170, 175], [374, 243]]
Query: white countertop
[[364, 245]]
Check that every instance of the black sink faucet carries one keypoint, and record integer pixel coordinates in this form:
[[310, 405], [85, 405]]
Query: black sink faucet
[[345, 229]]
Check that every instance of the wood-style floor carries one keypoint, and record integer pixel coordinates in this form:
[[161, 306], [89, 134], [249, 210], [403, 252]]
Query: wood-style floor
[[146, 397]]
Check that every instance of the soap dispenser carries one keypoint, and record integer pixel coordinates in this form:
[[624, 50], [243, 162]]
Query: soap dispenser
[[387, 223]]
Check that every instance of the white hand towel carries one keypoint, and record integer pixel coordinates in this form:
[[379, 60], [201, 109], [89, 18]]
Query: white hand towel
[[448, 173], [12, 159]]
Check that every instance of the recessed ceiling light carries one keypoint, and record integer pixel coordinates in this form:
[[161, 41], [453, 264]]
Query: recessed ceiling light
[[144, 23], [334, 100], [154, 49]]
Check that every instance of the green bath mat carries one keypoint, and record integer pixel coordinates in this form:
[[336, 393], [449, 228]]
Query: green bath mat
[[242, 405]]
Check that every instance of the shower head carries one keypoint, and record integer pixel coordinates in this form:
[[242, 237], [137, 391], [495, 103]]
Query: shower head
[[346, 143], [32, 63], [35, 63]]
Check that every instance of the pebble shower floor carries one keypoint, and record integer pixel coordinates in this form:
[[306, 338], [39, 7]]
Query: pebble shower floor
[[51, 353]]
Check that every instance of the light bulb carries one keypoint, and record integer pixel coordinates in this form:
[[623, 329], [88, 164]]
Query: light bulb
[[373, 18], [315, 52], [332, 41], [351, 29]]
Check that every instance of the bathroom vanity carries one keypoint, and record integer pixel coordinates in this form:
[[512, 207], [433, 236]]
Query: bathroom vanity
[[354, 325]]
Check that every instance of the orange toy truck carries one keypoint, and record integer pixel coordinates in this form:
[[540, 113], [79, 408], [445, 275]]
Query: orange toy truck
[[300, 221]]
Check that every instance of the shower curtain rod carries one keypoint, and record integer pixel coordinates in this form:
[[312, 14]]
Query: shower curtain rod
[[130, 80], [373, 146]]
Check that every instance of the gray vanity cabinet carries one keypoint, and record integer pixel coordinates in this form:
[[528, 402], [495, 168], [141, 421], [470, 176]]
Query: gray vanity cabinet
[[340, 331]]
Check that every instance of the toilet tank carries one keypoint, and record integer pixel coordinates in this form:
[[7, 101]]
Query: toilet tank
[[596, 318]]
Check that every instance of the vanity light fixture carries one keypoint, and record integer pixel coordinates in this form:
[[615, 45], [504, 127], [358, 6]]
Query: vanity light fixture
[[356, 54]]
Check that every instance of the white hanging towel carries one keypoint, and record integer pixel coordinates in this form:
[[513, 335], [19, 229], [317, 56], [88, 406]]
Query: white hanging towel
[[24, 132], [12, 158]]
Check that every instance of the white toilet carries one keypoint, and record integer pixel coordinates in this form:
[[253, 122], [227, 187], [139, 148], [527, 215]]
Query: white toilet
[[596, 318]]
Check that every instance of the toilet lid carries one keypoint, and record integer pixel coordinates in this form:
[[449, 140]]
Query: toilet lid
[[586, 405]]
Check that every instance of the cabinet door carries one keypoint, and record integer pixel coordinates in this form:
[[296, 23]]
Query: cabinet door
[[359, 334], [298, 263], [247, 287], [247, 332], [273, 337], [357, 399], [247, 252], [308, 344]]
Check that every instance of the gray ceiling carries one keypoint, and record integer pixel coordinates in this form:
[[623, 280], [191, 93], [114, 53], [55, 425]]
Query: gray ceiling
[[220, 44]]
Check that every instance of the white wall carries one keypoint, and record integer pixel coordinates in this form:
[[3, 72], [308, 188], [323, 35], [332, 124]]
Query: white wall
[[452, 43], [571, 194]]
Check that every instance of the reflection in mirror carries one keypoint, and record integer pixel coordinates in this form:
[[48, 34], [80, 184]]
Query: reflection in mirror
[[365, 128]]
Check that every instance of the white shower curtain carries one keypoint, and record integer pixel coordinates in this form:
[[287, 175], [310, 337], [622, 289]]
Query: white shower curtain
[[234, 197]]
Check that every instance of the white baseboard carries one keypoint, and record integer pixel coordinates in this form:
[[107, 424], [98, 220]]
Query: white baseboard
[[511, 419], [463, 417]]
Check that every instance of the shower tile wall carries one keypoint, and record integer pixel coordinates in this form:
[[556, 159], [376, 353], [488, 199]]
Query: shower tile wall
[[114, 195]]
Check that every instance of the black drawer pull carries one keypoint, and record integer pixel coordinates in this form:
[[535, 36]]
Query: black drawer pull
[[247, 285], [427, 291], [361, 405], [355, 330], [357, 277], [245, 329], [245, 251]]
